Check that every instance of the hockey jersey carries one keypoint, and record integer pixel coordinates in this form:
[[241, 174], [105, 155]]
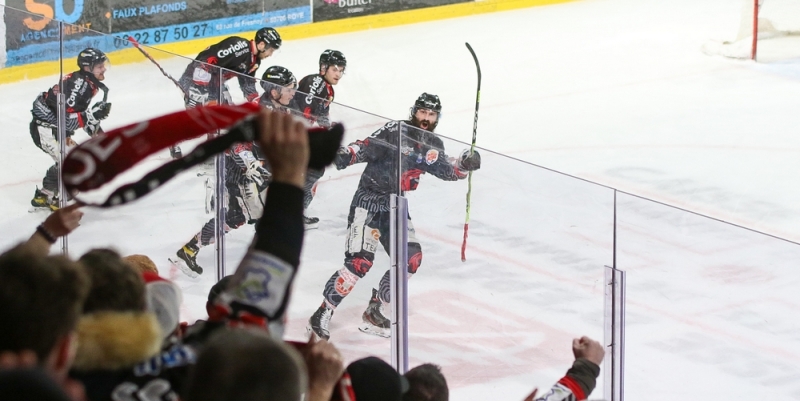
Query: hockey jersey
[[237, 56], [314, 97], [79, 89], [421, 152]]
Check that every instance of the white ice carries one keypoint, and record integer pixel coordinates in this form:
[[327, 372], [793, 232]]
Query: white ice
[[617, 92]]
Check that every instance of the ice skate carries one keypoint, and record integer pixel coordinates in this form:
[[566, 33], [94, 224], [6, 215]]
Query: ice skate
[[311, 222], [175, 152], [41, 201], [318, 322], [186, 259], [374, 321]]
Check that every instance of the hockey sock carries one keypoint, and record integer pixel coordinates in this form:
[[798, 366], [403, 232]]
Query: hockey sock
[[50, 181]]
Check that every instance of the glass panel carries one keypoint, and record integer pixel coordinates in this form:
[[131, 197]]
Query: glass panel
[[346, 245], [25, 162], [707, 302], [534, 273]]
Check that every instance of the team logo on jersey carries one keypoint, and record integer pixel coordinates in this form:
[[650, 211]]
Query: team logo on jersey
[[77, 89], [315, 85], [232, 49], [431, 156]]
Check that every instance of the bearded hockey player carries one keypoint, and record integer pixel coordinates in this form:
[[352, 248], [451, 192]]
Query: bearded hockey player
[[423, 152]]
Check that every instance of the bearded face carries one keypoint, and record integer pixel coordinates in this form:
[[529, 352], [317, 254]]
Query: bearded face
[[425, 119]]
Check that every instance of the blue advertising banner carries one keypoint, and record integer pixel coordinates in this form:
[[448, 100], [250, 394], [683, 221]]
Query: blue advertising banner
[[32, 31]]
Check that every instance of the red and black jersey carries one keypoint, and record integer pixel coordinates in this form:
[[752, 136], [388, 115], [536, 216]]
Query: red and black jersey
[[314, 97], [239, 59], [79, 89], [422, 152]]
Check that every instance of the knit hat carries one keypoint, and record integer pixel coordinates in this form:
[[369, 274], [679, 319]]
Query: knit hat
[[164, 300]]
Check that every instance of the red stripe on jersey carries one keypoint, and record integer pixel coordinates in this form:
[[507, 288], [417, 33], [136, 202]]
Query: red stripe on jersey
[[573, 386]]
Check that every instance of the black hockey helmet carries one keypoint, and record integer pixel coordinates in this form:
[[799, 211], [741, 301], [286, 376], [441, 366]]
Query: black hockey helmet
[[332, 57], [269, 36], [278, 75], [427, 101], [89, 57]]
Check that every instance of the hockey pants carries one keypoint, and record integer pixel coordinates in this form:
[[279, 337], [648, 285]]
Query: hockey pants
[[244, 203], [366, 231], [45, 137]]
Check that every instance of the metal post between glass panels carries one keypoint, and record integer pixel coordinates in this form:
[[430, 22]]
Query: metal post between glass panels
[[398, 282], [219, 199], [62, 130], [614, 362]]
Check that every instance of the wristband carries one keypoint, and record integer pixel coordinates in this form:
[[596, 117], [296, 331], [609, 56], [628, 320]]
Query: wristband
[[46, 234]]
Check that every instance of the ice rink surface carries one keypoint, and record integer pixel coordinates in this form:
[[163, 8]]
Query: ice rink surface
[[617, 92]]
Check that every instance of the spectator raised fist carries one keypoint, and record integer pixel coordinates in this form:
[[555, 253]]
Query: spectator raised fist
[[589, 349]]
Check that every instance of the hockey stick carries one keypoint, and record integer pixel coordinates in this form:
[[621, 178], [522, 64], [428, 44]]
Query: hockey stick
[[166, 74], [471, 150]]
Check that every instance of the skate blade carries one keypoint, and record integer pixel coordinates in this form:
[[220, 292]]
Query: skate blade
[[312, 226], [183, 267], [374, 330], [310, 332], [37, 209]]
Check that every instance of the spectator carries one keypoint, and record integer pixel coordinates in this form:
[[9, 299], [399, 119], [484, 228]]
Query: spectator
[[56, 225], [580, 379], [163, 299], [116, 331], [325, 368], [375, 380], [42, 298], [141, 263], [246, 364], [29, 384], [426, 383]]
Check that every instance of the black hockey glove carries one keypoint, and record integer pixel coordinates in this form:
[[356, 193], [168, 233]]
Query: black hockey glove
[[470, 162], [99, 111], [345, 156], [92, 129], [196, 96]]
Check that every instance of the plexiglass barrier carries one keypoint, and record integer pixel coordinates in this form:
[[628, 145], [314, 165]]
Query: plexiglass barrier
[[710, 307], [706, 302], [533, 278]]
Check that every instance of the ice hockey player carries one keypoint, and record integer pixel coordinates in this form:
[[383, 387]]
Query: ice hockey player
[[314, 96], [79, 88], [279, 86], [239, 57], [246, 176], [246, 182], [370, 209]]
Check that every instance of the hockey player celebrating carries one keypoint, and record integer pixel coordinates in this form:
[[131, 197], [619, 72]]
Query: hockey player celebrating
[[246, 178], [279, 86], [423, 152], [315, 95], [238, 57], [79, 89]]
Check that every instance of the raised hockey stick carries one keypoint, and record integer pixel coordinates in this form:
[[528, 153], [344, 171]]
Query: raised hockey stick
[[149, 57], [471, 149]]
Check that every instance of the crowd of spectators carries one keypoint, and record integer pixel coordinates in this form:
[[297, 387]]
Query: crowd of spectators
[[106, 327]]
